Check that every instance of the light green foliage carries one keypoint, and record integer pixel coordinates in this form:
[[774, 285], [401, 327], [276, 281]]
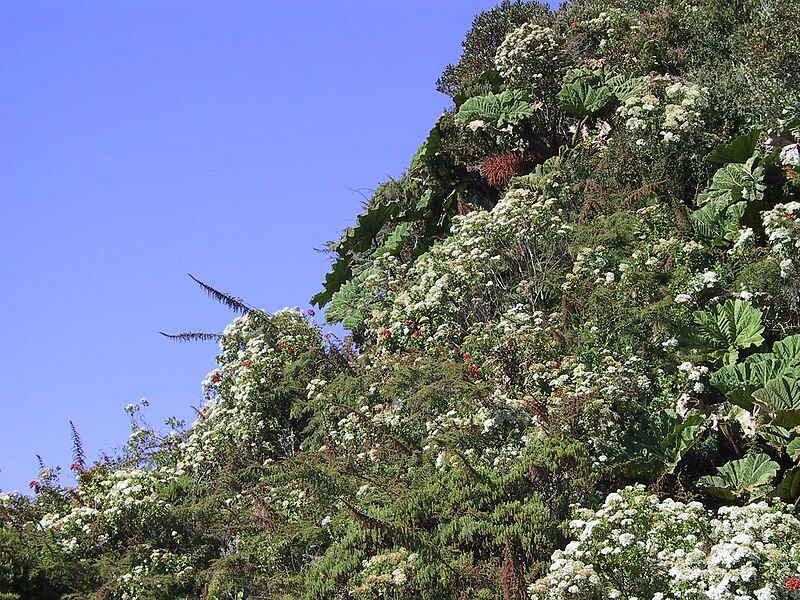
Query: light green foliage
[[735, 182], [506, 108]]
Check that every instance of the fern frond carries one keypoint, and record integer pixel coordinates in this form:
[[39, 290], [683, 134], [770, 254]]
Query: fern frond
[[192, 336], [232, 302], [78, 455]]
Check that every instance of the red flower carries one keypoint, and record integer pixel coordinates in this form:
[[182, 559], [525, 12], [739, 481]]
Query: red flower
[[498, 169], [246, 363], [793, 583], [467, 357], [474, 370], [416, 333], [215, 378], [573, 25], [76, 467], [34, 484], [791, 217], [407, 322], [385, 333]]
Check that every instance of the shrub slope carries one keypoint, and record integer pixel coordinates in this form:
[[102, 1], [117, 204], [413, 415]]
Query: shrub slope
[[574, 369]]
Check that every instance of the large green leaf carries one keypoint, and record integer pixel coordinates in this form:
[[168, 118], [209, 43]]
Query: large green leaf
[[362, 236], [745, 479], [624, 88], [682, 439], [739, 381], [724, 329], [429, 148], [581, 97], [334, 280], [509, 107], [735, 182], [396, 240], [793, 449], [789, 487], [788, 348], [774, 435], [662, 444], [737, 151], [780, 399], [717, 221]]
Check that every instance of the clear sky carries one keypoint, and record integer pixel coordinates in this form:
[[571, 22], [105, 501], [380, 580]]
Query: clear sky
[[144, 140]]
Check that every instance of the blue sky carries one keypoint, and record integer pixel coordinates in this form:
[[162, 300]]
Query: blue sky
[[145, 140]]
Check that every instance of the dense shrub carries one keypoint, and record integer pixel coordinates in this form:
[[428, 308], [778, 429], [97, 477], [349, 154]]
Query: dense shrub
[[586, 286]]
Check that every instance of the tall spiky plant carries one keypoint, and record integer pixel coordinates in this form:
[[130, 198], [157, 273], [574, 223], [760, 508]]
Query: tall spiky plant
[[78, 455]]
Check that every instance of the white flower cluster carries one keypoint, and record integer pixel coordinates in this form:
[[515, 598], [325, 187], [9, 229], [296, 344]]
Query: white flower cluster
[[700, 281], [783, 235], [157, 563], [384, 572], [638, 546], [252, 347], [694, 375], [106, 502], [669, 108], [463, 279], [111, 500], [531, 56]]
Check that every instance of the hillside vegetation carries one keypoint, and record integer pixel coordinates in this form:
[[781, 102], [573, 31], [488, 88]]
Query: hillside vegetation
[[574, 362]]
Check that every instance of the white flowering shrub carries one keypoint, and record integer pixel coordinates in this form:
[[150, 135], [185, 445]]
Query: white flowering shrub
[[637, 545], [531, 58], [783, 235], [667, 110], [386, 575], [490, 259]]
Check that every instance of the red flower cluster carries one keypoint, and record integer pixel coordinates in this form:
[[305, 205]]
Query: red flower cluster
[[246, 363], [215, 378], [793, 583], [35, 485], [385, 333], [498, 169], [285, 347]]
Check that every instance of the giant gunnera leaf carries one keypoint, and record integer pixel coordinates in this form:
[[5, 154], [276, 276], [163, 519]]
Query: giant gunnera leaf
[[583, 92], [509, 107], [738, 382], [780, 399], [737, 151], [735, 182], [745, 479], [720, 332]]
